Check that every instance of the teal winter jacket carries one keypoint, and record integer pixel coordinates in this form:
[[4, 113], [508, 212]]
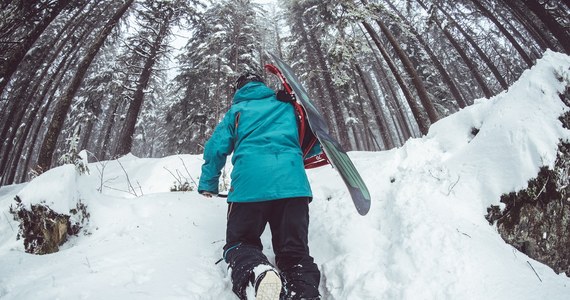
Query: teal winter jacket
[[261, 131]]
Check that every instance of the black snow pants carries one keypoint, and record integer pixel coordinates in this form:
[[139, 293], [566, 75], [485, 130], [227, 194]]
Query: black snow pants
[[289, 222]]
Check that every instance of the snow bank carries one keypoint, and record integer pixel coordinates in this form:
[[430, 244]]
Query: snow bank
[[58, 188], [425, 236]]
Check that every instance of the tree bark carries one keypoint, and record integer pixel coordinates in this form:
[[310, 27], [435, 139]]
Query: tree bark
[[559, 32], [403, 121], [63, 106], [28, 104], [410, 70], [393, 102], [524, 18], [43, 62], [50, 89], [10, 172], [315, 82], [366, 142], [477, 49], [9, 64], [486, 12], [449, 82], [104, 138], [126, 136], [328, 83], [419, 115], [466, 59], [375, 104]]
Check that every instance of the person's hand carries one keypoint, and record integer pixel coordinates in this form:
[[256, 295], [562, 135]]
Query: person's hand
[[207, 194]]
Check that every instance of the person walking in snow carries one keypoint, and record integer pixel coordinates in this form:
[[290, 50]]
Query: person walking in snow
[[268, 185]]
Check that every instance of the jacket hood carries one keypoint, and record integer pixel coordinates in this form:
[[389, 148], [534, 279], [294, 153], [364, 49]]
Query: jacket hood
[[253, 91]]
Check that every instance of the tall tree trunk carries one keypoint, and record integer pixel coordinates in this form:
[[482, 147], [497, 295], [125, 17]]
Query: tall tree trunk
[[464, 56], [449, 82], [378, 113], [559, 32], [9, 63], [28, 104], [419, 115], [87, 132], [403, 121], [328, 83], [105, 133], [45, 56], [318, 84], [9, 174], [504, 31], [366, 142], [524, 18], [278, 41], [477, 49], [392, 101], [125, 140], [32, 64], [515, 25], [410, 70], [64, 104], [51, 89]]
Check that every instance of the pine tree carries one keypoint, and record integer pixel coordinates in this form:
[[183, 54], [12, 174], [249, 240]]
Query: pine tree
[[224, 43], [62, 108], [23, 25], [148, 46]]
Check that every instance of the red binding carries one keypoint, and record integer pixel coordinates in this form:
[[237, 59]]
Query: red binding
[[316, 161], [313, 161], [302, 120]]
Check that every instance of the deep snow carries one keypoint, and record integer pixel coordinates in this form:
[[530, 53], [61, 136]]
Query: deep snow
[[425, 236]]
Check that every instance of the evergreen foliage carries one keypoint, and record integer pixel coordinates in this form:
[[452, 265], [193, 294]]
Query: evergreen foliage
[[156, 78], [224, 43]]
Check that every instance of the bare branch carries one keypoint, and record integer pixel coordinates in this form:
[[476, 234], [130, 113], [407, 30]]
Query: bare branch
[[185, 168], [175, 177], [453, 185], [131, 188], [8, 220], [534, 270]]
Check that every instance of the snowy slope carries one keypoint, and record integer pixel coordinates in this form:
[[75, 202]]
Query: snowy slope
[[424, 238]]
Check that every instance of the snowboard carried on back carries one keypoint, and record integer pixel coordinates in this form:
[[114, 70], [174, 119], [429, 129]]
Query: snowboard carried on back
[[319, 147]]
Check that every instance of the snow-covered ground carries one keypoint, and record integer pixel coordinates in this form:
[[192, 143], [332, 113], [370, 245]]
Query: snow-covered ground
[[425, 236]]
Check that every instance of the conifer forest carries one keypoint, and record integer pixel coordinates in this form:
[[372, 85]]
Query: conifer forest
[[154, 77]]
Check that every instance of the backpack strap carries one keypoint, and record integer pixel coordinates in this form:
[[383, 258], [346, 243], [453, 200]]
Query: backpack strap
[[307, 138]]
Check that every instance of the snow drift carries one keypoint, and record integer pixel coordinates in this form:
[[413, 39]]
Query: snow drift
[[425, 236]]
